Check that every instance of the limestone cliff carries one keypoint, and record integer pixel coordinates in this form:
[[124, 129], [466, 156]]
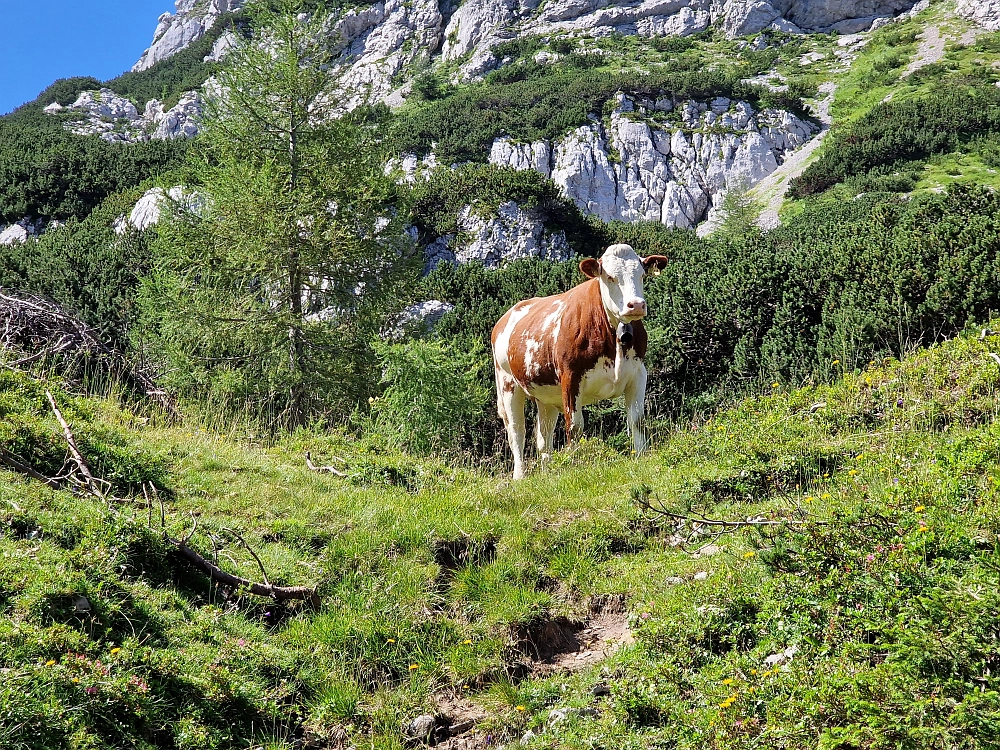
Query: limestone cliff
[[677, 174]]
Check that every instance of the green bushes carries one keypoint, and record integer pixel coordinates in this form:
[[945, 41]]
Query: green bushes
[[85, 267], [529, 102], [433, 393], [896, 132], [837, 285]]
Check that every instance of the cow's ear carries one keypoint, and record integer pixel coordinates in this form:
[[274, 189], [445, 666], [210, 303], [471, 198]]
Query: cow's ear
[[591, 267], [655, 263]]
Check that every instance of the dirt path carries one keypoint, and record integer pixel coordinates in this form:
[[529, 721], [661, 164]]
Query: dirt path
[[771, 190], [930, 51]]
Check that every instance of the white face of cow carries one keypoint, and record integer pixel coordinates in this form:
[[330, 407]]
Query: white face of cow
[[620, 271]]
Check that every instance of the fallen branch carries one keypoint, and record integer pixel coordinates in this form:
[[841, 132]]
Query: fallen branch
[[249, 549], [12, 463], [91, 484], [40, 328], [217, 574], [324, 469]]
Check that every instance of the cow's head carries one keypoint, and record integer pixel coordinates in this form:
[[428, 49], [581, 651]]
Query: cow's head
[[620, 271]]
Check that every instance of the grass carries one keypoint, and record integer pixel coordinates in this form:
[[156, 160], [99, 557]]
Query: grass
[[890, 605]]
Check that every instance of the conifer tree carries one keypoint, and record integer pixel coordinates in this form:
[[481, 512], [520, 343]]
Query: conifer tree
[[272, 279]]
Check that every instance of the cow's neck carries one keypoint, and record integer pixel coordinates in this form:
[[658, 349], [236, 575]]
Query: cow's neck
[[621, 350]]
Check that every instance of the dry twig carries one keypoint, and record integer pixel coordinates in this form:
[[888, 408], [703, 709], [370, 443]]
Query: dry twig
[[92, 485], [324, 469]]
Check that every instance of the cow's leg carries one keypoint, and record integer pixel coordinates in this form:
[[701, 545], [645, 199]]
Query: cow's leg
[[572, 409], [510, 400], [545, 426], [635, 408]]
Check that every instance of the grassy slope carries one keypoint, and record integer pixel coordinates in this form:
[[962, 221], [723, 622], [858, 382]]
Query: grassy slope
[[880, 73], [892, 607]]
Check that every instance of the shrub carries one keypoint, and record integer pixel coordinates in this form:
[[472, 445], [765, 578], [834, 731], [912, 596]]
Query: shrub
[[894, 132], [433, 392]]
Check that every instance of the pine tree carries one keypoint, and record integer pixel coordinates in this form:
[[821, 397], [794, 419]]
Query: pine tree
[[271, 281]]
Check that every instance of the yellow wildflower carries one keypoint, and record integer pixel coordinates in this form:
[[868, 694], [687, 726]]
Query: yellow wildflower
[[414, 666], [922, 529], [728, 681], [774, 385], [852, 472], [748, 555], [391, 640], [918, 509], [521, 708], [50, 662], [825, 496], [115, 650], [836, 362], [807, 499], [467, 642]]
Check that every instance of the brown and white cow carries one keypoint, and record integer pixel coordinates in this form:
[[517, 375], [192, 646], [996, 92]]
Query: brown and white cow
[[574, 349]]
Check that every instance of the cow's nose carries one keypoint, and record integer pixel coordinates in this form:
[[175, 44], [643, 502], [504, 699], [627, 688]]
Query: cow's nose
[[636, 307]]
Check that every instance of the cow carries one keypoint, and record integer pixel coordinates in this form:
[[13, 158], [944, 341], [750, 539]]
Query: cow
[[573, 349]]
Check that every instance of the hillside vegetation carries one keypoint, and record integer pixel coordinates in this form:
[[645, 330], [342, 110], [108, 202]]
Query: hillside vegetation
[[864, 617]]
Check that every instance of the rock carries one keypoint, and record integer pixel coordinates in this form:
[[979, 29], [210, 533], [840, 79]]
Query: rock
[[527, 737], [422, 315], [16, 234], [175, 31], [105, 103], [377, 42], [81, 605], [673, 580], [421, 728], [986, 13], [115, 118], [559, 715], [781, 657], [180, 121], [53, 108], [439, 251], [701, 575], [410, 168], [148, 208], [677, 177], [512, 233], [222, 47], [600, 690]]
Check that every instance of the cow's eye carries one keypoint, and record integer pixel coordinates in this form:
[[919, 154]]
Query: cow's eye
[[612, 279]]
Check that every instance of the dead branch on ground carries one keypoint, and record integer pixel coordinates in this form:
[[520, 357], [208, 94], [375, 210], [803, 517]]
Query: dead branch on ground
[[42, 329], [325, 469]]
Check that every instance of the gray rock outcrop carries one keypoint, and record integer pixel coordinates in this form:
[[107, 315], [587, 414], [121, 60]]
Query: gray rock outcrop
[[379, 41], [984, 12], [116, 119], [175, 31], [633, 169], [422, 315], [18, 233], [149, 208], [494, 238]]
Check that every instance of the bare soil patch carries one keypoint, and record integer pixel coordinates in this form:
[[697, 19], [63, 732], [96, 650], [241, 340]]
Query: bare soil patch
[[563, 645]]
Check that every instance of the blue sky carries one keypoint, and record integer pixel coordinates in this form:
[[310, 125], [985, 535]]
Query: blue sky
[[48, 39]]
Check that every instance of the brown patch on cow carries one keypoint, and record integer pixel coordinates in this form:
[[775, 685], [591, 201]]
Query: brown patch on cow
[[656, 263]]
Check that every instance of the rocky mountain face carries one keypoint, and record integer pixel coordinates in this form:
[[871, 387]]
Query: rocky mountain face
[[175, 31], [649, 159], [631, 170], [984, 12], [115, 119]]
